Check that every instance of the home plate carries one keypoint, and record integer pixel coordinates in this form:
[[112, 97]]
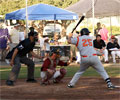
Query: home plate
[[117, 86]]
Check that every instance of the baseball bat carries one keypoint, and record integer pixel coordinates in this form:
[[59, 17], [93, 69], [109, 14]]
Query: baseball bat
[[81, 19]]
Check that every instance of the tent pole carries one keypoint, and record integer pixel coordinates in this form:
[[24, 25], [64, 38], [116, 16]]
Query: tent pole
[[110, 26], [93, 14], [87, 23], [26, 18], [54, 26], [54, 23]]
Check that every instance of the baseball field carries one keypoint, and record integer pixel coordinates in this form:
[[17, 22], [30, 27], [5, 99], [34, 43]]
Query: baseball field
[[89, 87]]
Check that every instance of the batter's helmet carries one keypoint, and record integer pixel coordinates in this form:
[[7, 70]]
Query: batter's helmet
[[84, 31]]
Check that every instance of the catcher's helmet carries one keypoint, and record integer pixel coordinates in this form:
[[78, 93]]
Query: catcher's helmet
[[84, 31], [54, 50]]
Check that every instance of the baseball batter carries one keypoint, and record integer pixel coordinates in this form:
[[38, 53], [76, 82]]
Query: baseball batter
[[89, 58]]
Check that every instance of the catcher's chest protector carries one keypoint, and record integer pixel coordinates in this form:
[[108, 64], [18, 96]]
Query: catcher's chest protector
[[51, 66]]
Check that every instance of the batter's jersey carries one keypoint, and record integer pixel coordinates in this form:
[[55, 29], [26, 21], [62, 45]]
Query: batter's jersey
[[84, 44]]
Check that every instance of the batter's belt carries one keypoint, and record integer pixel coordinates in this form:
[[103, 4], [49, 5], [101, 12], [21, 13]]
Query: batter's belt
[[87, 56]]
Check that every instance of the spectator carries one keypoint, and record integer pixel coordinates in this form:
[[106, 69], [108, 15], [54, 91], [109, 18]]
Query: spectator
[[113, 48], [4, 37], [14, 34], [118, 37], [21, 33], [56, 38], [42, 48], [63, 39], [74, 54], [47, 47], [97, 29], [104, 33], [100, 47], [77, 55]]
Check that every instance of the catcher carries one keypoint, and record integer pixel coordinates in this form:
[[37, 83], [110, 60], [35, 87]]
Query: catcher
[[48, 69]]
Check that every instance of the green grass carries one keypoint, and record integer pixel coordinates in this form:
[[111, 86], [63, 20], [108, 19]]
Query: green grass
[[112, 71]]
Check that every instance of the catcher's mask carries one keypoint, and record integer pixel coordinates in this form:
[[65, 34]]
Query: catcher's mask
[[56, 51], [84, 31]]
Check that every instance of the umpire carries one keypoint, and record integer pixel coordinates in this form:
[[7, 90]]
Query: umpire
[[18, 56]]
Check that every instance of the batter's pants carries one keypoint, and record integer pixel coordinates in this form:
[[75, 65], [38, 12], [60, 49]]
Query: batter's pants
[[17, 65], [86, 62]]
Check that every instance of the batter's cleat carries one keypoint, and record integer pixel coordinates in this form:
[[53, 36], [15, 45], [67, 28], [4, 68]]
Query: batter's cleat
[[70, 86], [31, 81], [111, 86], [9, 83]]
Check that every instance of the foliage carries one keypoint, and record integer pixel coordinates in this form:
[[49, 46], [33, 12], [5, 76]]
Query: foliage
[[115, 29], [7, 6]]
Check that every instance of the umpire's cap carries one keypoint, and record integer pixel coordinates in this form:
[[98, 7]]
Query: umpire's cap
[[84, 31], [31, 29], [32, 34]]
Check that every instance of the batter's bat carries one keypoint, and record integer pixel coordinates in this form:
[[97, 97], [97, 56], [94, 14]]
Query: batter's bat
[[81, 19]]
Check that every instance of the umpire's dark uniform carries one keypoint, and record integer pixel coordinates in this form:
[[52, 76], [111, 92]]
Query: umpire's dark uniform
[[23, 48]]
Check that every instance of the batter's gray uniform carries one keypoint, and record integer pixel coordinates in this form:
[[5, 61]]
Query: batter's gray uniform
[[88, 57]]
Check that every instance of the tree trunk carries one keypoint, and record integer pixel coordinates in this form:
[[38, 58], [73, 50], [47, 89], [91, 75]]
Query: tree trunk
[[64, 24]]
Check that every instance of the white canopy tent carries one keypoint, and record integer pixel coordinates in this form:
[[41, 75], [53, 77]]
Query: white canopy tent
[[103, 8], [96, 8]]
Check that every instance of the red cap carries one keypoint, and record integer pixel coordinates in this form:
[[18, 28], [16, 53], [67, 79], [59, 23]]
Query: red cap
[[112, 37]]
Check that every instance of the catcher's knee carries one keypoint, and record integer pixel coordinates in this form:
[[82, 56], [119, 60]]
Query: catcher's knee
[[63, 71], [50, 74]]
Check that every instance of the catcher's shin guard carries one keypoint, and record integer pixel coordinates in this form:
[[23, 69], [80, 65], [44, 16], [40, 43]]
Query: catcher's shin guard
[[48, 77], [62, 74]]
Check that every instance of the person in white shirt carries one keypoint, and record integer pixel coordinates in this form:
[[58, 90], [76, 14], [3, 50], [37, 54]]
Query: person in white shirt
[[14, 34], [41, 41], [21, 33], [21, 36], [47, 47], [113, 48]]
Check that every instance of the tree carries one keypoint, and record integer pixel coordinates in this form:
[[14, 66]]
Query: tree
[[7, 6]]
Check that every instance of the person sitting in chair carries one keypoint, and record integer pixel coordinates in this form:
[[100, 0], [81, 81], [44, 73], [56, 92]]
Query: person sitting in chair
[[113, 48], [100, 47]]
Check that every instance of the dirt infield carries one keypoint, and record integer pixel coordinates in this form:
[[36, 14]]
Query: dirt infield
[[85, 89]]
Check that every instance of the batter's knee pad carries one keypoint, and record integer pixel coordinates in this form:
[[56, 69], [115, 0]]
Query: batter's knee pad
[[63, 71]]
